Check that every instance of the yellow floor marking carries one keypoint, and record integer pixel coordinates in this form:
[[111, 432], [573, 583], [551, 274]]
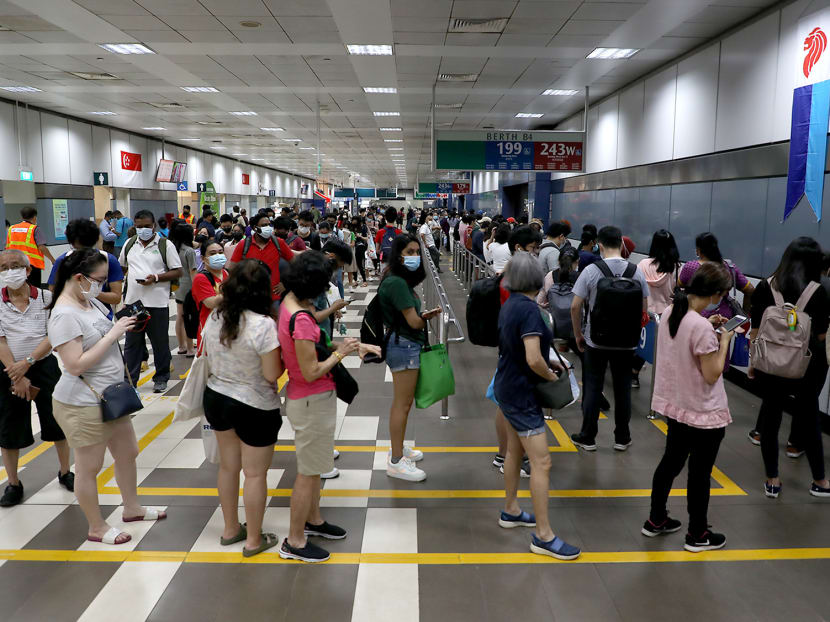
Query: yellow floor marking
[[145, 379], [427, 450], [561, 436], [452, 559], [281, 381], [185, 374], [29, 456]]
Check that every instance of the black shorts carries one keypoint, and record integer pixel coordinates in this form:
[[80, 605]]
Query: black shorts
[[254, 427], [16, 413]]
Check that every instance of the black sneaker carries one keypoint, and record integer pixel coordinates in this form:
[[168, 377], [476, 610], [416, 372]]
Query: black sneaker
[[635, 381], [818, 491], [67, 480], [708, 541], [754, 437], [12, 496], [310, 553], [588, 444], [324, 530], [525, 470], [669, 525], [498, 461]]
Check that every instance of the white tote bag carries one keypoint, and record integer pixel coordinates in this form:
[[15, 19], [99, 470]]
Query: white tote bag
[[210, 442], [191, 400]]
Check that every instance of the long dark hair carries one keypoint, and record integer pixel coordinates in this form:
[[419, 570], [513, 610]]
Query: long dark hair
[[396, 267], [707, 246], [568, 260], [801, 263], [181, 233], [78, 262], [247, 288], [709, 279], [664, 250]]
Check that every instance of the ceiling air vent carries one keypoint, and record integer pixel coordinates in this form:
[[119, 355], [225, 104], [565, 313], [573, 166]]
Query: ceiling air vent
[[208, 123], [83, 75], [453, 106], [457, 77], [166, 105], [497, 24]]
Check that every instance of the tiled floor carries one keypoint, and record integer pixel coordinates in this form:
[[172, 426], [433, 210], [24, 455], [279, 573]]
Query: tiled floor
[[430, 551]]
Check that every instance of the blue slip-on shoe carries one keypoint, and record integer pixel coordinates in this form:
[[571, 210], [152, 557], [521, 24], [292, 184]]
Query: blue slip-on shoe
[[557, 548], [523, 519]]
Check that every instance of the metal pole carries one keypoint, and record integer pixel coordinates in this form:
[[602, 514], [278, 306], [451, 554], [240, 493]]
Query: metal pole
[[585, 131], [432, 132], [651, 414]]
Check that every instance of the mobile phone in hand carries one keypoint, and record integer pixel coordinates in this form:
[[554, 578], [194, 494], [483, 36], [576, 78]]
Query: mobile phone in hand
[[732, 324]]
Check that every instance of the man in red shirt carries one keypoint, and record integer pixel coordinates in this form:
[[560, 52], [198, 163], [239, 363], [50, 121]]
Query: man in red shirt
[[387, 235], [268, 249]]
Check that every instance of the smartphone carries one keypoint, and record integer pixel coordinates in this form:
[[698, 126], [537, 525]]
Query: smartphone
[[732, 324], [371, 357], [141, 281]]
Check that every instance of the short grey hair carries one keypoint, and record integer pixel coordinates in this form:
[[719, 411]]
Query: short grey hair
[[17, 254], [523, 274]]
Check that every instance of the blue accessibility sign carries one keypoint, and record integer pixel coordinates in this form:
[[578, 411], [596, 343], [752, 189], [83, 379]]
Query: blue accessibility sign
[[182, 186]]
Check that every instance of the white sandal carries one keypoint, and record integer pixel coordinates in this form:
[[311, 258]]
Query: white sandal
[[111, 536], [150, 514]]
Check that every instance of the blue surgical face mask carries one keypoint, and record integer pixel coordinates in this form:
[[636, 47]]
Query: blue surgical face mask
[[145, 233], [412, 262], [217, 262], [713, 306], [595, 248], [324, 236]]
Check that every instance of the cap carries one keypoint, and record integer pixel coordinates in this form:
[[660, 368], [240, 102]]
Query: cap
[[511, 220]]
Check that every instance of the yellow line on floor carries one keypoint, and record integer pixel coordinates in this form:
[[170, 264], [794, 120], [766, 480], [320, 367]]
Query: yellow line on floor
[[427, 450], [29, 456], [145, 379], [453, 559], [561, 436]]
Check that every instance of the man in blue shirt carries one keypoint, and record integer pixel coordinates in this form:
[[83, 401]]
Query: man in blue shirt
[[108, 234], [123, 224], [82, 234]]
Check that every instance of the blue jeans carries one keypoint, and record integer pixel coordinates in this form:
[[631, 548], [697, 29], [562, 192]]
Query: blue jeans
[[402, 354]]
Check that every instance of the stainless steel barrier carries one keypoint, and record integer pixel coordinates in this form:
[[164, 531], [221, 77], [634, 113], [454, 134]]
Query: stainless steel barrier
[[435, 296], [468, 268], [656, 319]]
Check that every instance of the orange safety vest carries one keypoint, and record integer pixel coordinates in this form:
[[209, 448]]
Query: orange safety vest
[[21, 237], [188, 219]]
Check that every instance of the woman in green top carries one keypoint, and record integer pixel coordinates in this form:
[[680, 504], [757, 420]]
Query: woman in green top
[[401, 309]]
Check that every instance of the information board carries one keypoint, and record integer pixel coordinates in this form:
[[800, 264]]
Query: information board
[[344, 193], [444, 187], [60, 213], [509, 150], [387, 193]]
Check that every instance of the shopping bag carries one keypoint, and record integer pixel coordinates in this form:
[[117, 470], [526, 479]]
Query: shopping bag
[[191, 401], [740, 351], [435, 379], [491, 391], [210, 443]]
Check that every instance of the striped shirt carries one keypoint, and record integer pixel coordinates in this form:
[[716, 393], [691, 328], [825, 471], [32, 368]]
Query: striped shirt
[[24, 331]]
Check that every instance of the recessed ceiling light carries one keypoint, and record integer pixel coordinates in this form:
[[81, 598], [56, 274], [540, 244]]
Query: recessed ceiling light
[[457, 105], [370, 50], [85, 75], [200, 89], [379, 89], [307, 148], [272, 129], [529, 115], [239, 154], [387, 114], [293, 140], [244, 113], [217, 147], [395, 148], [390, 129], [612, 53], [208, 123], [565, 92], [457, 77], [103, 113], [189, 139], [159, 129], [258, 159], [250, 24], [392, 140], [20, 89], [126, 48]]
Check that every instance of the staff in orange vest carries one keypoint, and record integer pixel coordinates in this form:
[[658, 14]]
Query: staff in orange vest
[[186, 215], [26, 237]]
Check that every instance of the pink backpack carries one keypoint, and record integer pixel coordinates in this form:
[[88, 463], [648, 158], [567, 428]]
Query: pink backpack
[[779, 349]]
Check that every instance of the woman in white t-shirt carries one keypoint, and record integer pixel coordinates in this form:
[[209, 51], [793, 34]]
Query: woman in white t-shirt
[[87, 343], [241, 400], [497, 250]]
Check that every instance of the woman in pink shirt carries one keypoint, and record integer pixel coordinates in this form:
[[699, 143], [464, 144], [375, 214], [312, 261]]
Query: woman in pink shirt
[[689, 392]]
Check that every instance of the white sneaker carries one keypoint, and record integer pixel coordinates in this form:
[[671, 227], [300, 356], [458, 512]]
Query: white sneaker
[[336, 454], [405, 470], [335, 472], [413, 454]]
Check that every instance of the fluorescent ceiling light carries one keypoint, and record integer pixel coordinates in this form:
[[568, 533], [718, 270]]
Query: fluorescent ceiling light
[[390, 129], [612, 53], [217, 147], [379, 89], [258, 159], [293, 140], [529, 115], [272, 129], [190, 139], [370, 50], [307, 148], [200, 89], [244, 113], [152, 129], [392, 140], [20, 89], [126, 48], [387, 114], [395, 148], [103, 113], [560, 92], [239, 154]]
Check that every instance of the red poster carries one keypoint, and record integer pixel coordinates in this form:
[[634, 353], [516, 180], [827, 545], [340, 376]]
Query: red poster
[[130, 161], [246, 179], [557, 156], [461, 188]]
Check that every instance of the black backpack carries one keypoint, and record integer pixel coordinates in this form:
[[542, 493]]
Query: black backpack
[[483, 307], [389, 235], [372, 330], [190, 310], [617, 314]]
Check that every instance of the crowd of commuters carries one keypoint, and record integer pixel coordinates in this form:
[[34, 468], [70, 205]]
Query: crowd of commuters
[[261, 297]]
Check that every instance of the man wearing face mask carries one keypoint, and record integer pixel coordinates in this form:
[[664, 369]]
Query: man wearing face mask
[[225, 227], [151, 263], [269, 249], [283, 229], [27, 237], [106, 228], [237, 233], [30, 373], [306, 232]]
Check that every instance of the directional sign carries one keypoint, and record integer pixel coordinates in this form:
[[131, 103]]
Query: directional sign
[[201, 187], [182, 186], [101, 178], [444, 187], [508, 150]]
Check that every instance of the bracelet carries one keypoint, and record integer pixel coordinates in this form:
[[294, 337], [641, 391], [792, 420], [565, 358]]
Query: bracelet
[[338, 355]]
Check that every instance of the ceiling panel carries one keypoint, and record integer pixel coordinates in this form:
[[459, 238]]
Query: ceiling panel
[[472, 38], [607, 10], [174, 7], [527, 25], [420, 24], [483, 8]]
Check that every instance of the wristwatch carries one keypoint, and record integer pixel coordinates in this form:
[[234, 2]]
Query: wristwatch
[[31, 361]]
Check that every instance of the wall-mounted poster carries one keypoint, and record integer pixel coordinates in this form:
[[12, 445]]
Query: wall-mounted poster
[[60, 211]]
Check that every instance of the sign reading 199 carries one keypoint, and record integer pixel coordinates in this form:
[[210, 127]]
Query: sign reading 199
[[510, 148]]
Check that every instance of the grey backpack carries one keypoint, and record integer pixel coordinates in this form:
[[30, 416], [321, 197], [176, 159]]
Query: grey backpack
[[779, 350], [560, 297]]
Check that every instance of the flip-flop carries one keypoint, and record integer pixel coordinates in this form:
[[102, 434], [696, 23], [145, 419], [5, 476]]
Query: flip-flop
[[110, 537], [181, 351], [149, 514], [269, 540], [241, 535]]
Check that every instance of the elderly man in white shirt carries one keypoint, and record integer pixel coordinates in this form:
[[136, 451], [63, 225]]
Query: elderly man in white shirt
[[149, 269]]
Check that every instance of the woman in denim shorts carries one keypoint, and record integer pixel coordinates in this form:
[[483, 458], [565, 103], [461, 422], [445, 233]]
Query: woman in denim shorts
[[401, 309], [524, 348]]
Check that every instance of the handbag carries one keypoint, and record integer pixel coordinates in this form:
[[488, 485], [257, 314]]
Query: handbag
[[435, 378], [209, 442], [555, 394], [191, 401], [119, 399]]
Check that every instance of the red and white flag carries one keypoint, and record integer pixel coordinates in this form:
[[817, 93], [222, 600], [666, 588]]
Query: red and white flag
[[130, 161]]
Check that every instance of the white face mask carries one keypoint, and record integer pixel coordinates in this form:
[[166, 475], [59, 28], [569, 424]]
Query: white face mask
[[13, 278], [304, 231], [145, 233], [94, 289]]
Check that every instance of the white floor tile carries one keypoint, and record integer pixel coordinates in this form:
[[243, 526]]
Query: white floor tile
[[385, 588], [390, 530], [352, 362], [157, 451], [342, 408], [276, 520], [359, 428], [137, 530], [350, 479], [132, 591], [52, 494], [286, 431], [21, 523], [179, 429], [188, 454]]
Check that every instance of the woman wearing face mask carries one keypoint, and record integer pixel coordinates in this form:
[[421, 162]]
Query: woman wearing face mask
[[87, 344], [207, 284], [198, 241], [401, 309], [182, 238], [237, 234], [361, 244]]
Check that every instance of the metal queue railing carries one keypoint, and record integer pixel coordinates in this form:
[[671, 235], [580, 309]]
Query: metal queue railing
[[468, 268], [434, 296]]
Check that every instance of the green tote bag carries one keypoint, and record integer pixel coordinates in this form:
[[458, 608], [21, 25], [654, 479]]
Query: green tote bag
[[435, 380]]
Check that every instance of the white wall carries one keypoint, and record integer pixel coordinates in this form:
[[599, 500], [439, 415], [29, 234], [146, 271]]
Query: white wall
[[732, 94], [484, 182], [68, 151]]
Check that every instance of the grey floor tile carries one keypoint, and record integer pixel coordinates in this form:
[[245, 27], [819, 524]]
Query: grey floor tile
[[68, 531]]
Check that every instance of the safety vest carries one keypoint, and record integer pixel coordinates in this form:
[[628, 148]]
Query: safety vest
[[188, 219], [21, 237]]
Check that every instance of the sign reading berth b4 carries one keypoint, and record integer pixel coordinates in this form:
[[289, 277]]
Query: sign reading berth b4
[[509, 150]]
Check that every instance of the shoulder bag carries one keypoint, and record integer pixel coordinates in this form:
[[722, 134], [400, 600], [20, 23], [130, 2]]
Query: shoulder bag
[[191, 401], [555, 394]]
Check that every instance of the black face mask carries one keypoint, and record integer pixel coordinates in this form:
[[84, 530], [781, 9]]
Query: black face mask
[[282, 234], [226, 229], [237, 235]]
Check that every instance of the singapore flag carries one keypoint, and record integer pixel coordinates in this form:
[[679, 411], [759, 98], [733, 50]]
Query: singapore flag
[[130, 161]]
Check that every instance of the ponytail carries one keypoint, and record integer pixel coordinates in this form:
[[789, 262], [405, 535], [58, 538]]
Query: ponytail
[[78, 262], [708, 280], [679, 309]]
